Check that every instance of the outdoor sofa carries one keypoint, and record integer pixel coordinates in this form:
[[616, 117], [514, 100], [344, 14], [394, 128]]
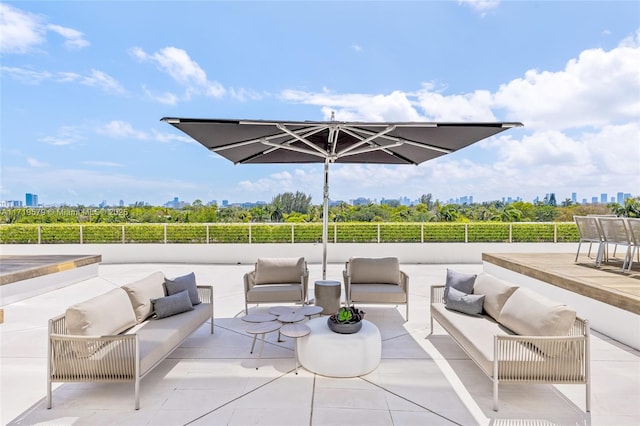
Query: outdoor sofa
[[513, 334], [121, 335]]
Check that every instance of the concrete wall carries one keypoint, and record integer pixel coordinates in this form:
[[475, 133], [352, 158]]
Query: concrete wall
[[411, 253]]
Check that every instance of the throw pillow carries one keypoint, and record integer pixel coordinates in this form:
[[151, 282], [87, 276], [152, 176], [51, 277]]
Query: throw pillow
[[496, 293], [467, 303], [142, 291], [460, 281], [172, 305], [184, 282]]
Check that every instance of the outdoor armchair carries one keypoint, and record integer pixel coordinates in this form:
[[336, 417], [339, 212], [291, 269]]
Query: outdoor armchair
[[376, 281], [277, 280]]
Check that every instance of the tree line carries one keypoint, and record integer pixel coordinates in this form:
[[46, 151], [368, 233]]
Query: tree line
[[298, 207]]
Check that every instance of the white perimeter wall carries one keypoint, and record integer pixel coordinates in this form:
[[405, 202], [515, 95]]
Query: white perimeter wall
[[435, 253]]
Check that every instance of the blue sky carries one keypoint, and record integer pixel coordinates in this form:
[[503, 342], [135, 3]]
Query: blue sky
[[85, 83]]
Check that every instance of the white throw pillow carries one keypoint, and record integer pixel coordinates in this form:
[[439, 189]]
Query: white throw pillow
[[142, 291]]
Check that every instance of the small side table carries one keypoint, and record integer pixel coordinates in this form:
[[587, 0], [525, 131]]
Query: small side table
[[294, 331], [262, 328], [327, 295]]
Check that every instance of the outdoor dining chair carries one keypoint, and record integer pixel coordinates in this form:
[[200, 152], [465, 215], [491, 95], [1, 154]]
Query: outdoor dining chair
[[615, 231], [590, 232], [634, 230]]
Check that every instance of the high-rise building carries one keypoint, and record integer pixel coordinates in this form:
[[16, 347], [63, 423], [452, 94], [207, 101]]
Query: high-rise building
[[574, 198], [31, 200], [603, 198], [620, 198]]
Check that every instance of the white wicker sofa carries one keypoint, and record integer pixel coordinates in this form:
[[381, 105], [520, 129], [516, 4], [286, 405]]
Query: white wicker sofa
[[513, 334], [121, 335]]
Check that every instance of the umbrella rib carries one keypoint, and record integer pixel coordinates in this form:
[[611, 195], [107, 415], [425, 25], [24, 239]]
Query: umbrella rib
[[370, 139], [302, 139]]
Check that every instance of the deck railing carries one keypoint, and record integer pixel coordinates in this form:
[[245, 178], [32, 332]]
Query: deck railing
[[256, 233]]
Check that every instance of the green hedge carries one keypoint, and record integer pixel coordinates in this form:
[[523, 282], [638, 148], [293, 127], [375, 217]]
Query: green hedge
[[226, 233]]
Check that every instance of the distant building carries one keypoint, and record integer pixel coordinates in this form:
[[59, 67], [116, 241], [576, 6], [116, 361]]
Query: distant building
[[121, 203], [603, 198], [574, 198], [176, 204], [594, 200], [31, 200]]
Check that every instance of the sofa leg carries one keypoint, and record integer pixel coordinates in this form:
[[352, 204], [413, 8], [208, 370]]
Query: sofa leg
[[137, 392], [49, 398], [495, 395]]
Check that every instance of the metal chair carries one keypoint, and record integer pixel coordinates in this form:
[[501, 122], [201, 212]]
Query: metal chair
[[277, 280], [590, 232], [615, 231], [634, 229]]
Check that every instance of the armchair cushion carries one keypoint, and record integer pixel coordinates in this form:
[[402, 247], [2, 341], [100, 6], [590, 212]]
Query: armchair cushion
[[279, 270], [384, 270], [378, 293]]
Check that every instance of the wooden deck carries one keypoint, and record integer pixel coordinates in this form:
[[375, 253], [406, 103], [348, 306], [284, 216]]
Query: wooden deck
[[14, 268], [607, 284]]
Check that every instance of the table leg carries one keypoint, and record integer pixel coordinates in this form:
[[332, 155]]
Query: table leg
[[253, 343], [260, 353], [295, 354]]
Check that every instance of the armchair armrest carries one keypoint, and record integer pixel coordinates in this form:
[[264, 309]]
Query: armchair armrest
[[249, 280]]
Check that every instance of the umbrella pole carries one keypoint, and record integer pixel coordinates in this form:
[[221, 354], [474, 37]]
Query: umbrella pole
[[325, 219]]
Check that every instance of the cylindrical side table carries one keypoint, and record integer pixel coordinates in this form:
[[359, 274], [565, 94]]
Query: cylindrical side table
[[327, 295]]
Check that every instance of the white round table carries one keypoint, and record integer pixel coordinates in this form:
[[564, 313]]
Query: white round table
[[332, 354]]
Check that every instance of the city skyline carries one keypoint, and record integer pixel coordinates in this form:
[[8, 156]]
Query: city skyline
[[81, 108], [31, 200]]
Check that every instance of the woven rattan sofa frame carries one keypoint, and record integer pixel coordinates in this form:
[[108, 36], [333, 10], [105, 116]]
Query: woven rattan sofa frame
[[517, 347], [125, 360]]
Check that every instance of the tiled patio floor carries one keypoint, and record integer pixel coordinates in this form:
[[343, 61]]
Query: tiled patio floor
[[211, 379]]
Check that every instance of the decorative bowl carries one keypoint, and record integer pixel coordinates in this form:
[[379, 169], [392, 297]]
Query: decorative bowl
[[344, 328]]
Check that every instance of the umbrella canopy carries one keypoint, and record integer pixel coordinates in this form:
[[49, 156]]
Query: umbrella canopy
[[268, 142]]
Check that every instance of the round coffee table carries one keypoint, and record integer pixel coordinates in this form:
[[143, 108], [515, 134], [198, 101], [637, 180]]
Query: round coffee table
[[295, 331], [262, 328], [339, 355]]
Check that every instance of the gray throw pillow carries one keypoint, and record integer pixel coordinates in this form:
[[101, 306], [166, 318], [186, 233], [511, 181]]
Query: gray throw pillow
[[467, 303], [460, 281], [172, 305], [185, 282]]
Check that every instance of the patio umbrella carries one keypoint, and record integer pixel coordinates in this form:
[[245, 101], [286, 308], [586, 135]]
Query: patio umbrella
[[265, 141]]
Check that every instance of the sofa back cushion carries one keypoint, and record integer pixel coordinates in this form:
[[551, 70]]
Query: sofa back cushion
[[109, 313], [496, 292], [279, 270], [142, 291], [383, 270], [530, 314]]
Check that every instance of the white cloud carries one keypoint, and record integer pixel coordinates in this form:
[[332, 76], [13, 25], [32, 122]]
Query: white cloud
[[357, 47], [102, 164], [481, 6], [22, 31], [121, 129], [34, 162], [74, 39], [66, 135], [95, 78], [185, 71]]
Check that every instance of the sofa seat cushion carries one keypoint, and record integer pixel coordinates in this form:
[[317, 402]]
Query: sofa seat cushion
[[279, 270], [474, 333], [159, 336], [275, 293], [142, 291], [495, 291], [377, 293], [108, 313], [384, 270]]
